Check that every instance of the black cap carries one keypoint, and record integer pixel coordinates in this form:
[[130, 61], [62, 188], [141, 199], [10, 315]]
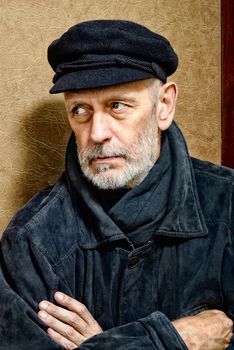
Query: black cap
[[102, 53]]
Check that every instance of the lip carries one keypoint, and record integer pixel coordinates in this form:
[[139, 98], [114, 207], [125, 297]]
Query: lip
[[105, 159]]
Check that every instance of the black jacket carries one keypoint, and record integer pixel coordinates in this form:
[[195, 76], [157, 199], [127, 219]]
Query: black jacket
[[163, 251]]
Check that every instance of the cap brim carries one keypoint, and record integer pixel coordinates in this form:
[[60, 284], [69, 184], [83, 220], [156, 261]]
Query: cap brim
[[97, 78]]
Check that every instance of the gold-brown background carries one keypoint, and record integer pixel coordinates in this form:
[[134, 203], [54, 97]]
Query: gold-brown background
[[33, 126]]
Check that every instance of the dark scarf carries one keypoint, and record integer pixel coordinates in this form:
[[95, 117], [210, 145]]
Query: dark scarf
[[139, 211]]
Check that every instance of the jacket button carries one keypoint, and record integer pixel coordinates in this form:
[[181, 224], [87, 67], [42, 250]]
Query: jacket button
[[133, 262]]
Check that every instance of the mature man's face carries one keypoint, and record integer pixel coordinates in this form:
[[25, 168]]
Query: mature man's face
[[116, 132]]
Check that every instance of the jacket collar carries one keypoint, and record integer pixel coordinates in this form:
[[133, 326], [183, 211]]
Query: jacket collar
[[183, 217]]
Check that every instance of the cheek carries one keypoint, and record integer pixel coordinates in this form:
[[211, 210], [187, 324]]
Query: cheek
[[122, 137], [130, 133]]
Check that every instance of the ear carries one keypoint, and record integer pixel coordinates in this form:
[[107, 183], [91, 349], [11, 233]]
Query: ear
[[166, 105]]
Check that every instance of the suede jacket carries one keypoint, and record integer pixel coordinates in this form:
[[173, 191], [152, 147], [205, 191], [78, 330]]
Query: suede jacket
[[163, 251]]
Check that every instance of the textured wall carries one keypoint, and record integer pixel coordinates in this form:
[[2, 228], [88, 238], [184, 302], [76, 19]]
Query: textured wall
[[33, 127]]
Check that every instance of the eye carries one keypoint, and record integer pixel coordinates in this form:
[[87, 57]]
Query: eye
[[79, 111], [118, 106]]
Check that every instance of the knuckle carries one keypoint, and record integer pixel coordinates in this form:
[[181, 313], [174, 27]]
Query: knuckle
[[229, 323], [69, 332], [74, 319], [86, 329], [82, 309]]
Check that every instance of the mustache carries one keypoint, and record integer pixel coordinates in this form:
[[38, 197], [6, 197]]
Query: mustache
[[103, 150]]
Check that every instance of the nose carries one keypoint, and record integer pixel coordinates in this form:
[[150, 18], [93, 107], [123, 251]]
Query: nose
[[100, 128]]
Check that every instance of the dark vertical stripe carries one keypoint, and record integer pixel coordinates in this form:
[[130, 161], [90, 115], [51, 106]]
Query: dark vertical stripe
[[227, 13]]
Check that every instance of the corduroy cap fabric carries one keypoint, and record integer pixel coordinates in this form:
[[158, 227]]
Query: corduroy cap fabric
[[102, 53]]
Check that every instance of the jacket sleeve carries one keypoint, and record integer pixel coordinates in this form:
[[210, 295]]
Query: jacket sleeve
[[26, 277], [154, 332]]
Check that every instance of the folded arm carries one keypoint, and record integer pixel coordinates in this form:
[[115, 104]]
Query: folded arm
[[71, 325]]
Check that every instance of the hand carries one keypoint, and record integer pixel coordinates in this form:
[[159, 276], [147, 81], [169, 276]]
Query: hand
[[69, 325], [208, 330]]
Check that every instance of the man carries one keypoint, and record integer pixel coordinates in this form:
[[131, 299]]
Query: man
[[132, 248]]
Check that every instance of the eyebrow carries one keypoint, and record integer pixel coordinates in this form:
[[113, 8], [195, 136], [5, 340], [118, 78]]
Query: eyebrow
[[112, 97], [121, 97]]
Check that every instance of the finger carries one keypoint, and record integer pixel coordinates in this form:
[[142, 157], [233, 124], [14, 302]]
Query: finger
[[230, 337], [65, 316], [74, 305], [58, 338], [63, 329], [229, 341]]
